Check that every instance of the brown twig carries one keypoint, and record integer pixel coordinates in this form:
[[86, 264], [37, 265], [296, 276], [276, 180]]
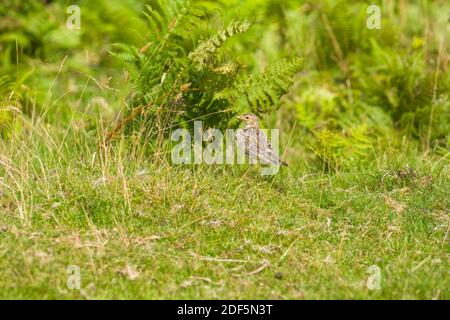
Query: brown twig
[[124, 121], [340, 59], [139, 110]]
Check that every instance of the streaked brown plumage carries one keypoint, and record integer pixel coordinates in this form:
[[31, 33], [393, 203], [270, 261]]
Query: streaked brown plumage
[[255, 143]]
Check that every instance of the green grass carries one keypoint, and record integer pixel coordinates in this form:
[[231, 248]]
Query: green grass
[[365, 126], [194, 232]]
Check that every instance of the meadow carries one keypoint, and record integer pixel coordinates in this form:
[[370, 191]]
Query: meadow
[[92, 206]]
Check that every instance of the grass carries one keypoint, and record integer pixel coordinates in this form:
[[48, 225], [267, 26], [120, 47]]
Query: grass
[[365, 126], [140, 229]]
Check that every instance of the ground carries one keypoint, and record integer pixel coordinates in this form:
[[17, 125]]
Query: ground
[[138, 229], [362, 211]]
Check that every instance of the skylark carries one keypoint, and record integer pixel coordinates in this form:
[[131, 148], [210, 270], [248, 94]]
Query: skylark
[[254, 142]]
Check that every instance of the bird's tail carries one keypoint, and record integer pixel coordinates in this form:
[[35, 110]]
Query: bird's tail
[[284, 163]]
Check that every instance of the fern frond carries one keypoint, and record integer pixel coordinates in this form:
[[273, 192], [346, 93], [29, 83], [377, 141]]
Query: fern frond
[[205, 52], [160, 68], [172, 21], [229, 68], [266, 90], [262, 93]]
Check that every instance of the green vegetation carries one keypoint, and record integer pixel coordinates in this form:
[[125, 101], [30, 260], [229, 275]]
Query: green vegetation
[[86, 177]]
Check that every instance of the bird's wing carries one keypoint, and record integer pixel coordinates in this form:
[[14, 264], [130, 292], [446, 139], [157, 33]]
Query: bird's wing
[[256, 146], [266, 154], [247, 140], [240, 139]]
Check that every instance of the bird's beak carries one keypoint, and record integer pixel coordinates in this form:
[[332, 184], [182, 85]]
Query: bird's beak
[[240, 117]]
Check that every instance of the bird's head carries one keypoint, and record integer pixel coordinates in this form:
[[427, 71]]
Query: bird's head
[[249, 119]]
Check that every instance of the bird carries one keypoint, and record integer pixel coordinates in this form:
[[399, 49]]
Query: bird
[[255, 143]]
